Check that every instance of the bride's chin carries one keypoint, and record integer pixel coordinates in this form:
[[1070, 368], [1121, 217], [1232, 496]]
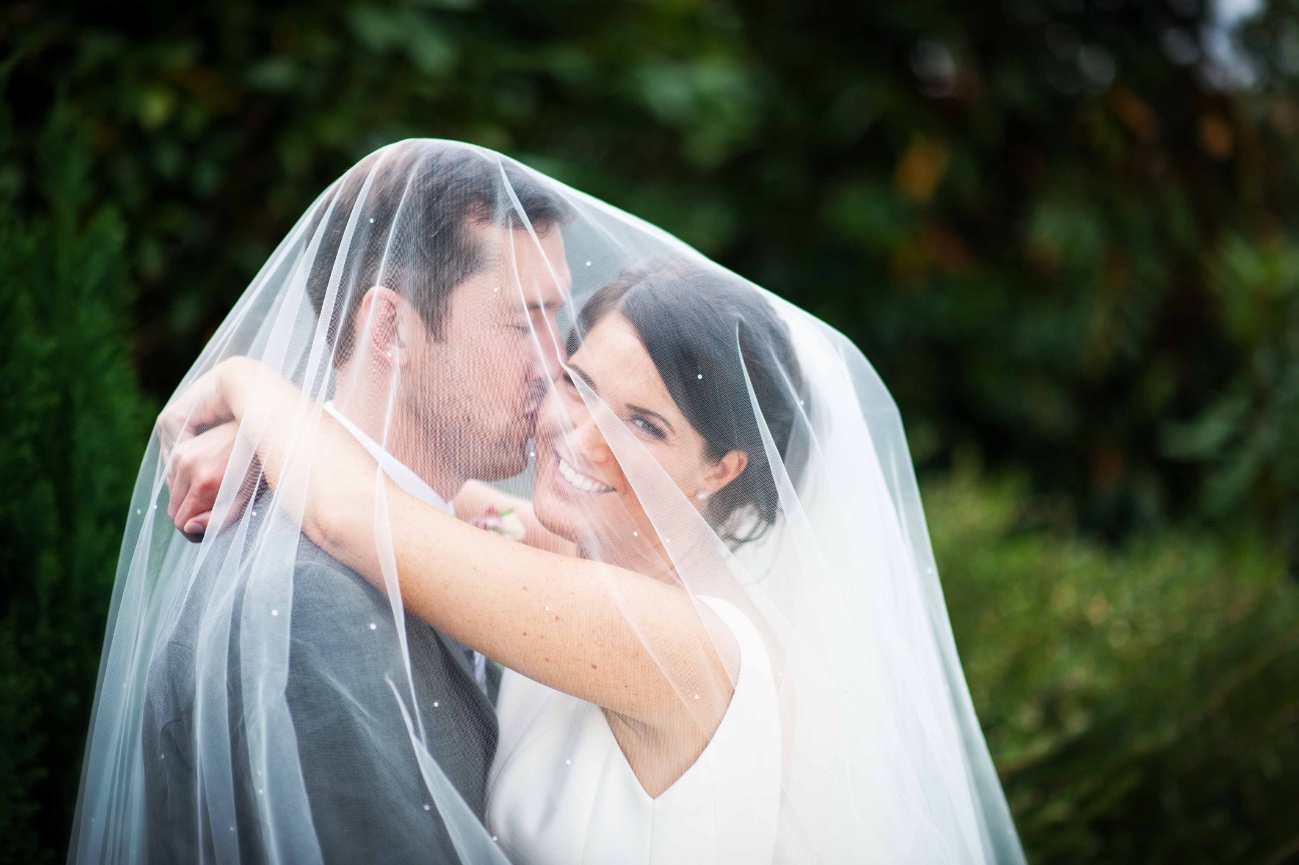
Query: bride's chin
[[554, 514]]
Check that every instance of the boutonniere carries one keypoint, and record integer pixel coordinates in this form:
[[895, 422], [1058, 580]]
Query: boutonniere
[[505, 523]]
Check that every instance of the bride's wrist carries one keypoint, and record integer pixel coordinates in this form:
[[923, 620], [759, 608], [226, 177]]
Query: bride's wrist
[[235, 377]]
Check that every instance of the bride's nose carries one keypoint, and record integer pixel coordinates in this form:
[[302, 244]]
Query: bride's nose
[[566, 416], [583, 435]]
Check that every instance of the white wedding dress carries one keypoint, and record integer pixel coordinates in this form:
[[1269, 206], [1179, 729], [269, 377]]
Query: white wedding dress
[[561, 792]]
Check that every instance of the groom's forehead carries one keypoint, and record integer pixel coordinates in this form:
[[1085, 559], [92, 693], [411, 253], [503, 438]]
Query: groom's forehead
[[526, 268], [503, 290]]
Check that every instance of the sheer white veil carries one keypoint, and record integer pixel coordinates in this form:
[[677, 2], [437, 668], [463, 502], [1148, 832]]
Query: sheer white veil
[[824, 547]]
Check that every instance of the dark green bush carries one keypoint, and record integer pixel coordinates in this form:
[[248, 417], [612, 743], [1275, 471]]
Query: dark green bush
[[74, 428], [1141, 707]]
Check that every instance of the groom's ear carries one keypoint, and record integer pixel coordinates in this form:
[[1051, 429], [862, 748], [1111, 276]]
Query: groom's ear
[[382, 311]]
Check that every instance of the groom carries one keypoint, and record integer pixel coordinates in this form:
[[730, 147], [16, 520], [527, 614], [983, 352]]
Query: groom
[[457, 328]]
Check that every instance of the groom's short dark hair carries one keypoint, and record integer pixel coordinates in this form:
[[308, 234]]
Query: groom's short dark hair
[[403, 217]]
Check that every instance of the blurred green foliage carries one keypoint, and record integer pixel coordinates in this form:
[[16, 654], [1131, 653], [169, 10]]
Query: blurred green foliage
[[75, 426], [1047, 222], [1142, 705], [1066, 245]]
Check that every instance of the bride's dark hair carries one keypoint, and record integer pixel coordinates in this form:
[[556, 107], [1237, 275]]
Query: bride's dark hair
[[712, 337]]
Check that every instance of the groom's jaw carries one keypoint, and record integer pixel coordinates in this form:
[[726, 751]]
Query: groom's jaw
[[389, 424]]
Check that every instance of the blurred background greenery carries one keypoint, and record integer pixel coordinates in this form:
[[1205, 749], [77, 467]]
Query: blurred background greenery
[[1063, 230]]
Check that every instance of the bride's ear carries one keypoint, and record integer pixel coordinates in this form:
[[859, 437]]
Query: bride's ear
[[382, 311], [724, 471]]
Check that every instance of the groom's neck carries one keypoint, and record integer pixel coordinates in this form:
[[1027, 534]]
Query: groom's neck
[[387, 425]]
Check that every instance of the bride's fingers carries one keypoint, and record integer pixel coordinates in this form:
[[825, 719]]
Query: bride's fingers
[[192, 518], [178, 480], [200, 498], [190, 481], [195, 526], [170, 429], [196, 471]]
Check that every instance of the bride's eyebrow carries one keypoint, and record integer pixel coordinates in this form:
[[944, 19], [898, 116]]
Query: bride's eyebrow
[[584, 376], [590, 382]]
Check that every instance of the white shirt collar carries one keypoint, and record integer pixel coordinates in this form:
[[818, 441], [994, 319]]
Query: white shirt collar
[[402, 475]]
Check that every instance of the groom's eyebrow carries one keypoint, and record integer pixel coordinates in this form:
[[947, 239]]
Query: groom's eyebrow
[[533, 303]]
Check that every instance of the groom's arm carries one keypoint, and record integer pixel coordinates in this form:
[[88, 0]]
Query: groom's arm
[[368, 799]]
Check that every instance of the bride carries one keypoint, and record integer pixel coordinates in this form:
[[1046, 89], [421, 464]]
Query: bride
[[723, 635]]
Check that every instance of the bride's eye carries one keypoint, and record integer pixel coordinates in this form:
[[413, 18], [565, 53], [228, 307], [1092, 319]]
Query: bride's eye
[[646, 427]]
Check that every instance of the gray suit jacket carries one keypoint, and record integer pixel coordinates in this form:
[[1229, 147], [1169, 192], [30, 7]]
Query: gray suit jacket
[[364, 787]]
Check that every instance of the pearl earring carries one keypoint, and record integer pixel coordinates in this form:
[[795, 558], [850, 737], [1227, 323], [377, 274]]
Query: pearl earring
[[389, 354], [701, 495]]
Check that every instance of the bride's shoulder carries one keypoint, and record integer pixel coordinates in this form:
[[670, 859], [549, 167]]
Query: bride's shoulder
[[751, 725], [728, 611], [751, 648]]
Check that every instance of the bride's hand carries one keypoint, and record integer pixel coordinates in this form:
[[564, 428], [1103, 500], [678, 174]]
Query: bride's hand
[[197, 435], [197, 407], [194, 474]]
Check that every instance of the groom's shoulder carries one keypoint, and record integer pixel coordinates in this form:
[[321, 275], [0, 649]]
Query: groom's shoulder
[[331, 600], [311, 558], [327, 583], [343, 631]]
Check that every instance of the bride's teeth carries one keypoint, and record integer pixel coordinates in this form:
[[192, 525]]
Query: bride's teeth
[[581, 481]]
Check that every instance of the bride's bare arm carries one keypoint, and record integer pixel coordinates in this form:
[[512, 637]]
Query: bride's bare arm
[[636, 646]]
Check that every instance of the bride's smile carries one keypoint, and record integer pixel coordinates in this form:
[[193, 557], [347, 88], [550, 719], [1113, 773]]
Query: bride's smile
[[577, 480]]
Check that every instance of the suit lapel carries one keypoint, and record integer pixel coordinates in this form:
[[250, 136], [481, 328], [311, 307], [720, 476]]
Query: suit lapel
[[466, 675]]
